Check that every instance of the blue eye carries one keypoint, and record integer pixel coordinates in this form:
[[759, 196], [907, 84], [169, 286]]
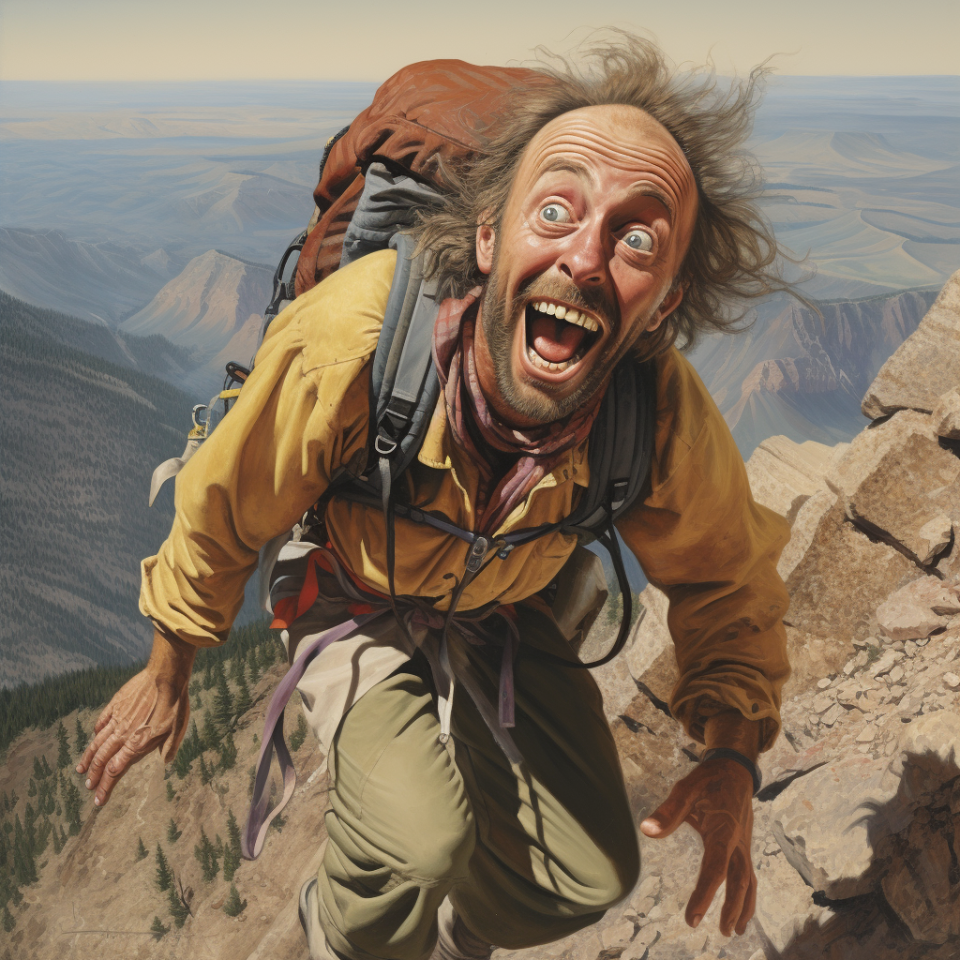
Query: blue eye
[[555, 213], [639, 240]]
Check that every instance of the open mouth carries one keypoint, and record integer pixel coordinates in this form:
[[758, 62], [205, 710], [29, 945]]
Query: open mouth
[[558, 336]]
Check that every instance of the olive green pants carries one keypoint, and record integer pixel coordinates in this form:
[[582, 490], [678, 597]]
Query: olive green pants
[[528, 854]]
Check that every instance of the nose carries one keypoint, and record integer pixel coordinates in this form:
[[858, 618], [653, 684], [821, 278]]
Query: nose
[[584, 257]]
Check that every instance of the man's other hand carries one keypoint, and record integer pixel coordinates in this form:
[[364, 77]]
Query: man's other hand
[[149, 712], [717, 801]]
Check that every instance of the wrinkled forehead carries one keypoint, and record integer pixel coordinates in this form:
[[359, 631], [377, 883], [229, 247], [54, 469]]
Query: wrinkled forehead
[[613, 137]]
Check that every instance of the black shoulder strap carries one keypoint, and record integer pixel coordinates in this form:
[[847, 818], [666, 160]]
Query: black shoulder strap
[[621, 449]]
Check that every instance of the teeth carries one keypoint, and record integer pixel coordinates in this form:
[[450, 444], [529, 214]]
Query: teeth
[[538, 361], [569, 314]]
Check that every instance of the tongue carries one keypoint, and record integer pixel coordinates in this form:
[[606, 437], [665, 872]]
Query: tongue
[[555, 340]]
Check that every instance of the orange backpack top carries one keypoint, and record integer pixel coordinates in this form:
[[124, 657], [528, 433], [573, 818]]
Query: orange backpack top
[[426, 112]]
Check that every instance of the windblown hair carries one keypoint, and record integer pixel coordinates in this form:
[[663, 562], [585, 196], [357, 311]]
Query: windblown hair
[[732, 256]]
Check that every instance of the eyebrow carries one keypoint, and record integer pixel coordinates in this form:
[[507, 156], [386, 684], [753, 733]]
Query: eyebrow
[[566, 165]]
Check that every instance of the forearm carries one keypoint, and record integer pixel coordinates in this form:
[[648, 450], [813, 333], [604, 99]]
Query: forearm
[[171, 658], [732, 730]]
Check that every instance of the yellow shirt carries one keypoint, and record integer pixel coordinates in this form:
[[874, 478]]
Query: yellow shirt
[[303, 415]]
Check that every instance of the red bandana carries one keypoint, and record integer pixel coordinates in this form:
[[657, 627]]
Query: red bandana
[[538, 450]]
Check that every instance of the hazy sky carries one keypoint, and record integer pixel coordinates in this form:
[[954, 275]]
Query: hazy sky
[[369, 39]]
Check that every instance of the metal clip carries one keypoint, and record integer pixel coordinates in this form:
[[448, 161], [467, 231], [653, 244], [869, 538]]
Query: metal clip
[[381, 445], [477, 553]]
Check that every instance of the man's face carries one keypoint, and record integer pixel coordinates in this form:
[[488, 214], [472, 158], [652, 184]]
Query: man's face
[[594, 231]]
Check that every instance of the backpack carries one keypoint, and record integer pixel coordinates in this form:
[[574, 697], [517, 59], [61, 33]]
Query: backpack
[[374, 175]]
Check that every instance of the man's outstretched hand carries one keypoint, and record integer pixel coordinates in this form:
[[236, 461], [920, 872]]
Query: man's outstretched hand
[[717, 801], [149, 712]]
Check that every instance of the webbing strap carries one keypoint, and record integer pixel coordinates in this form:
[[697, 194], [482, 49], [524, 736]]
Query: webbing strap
[[259, 820]]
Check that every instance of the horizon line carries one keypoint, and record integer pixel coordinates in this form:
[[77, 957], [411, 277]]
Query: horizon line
[[774, 76]]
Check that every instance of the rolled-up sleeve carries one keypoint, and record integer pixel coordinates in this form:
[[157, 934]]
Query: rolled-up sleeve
[[704, 542], [300, 416]]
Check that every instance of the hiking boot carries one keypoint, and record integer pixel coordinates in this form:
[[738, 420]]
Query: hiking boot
[[310, 921], [455, 941]]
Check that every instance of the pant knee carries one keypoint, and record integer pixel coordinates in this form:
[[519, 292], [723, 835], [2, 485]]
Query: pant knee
[[441, 852]]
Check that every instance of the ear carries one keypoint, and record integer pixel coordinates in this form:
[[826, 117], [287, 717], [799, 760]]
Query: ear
[[667, 305], [486, 238]]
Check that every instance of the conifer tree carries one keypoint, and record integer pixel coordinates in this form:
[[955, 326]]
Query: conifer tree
[[45, 767], [173, 834], [206, 855], [63, 837], [211, 735], [178, 909], [255, 670], [141, 850], [80, 738], [57, 845], [63, 751], [72, 803], [171, 795], [164, 876], [181, 764], [206, 774], [234, 905], [298, 735], [8, 922], [32, 788], [208, 676], [243, 701], [228, 751], [233, 832], [223, 702], [158, 929]]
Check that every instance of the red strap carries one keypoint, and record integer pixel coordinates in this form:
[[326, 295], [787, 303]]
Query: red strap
[[292, 608]]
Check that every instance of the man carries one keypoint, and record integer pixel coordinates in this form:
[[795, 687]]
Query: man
[[593, 236]]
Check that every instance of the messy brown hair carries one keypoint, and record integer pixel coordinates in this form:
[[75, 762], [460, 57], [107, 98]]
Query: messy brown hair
[[732, 256]]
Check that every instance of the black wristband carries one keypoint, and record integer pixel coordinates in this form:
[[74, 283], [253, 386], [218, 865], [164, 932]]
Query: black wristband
[[744, 761]]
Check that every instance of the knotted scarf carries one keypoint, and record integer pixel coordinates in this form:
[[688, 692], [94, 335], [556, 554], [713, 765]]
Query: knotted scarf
[[537, 450]]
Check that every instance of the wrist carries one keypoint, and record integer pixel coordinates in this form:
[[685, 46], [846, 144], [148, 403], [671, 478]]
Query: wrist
[[731, 730], [171, 658], [725, 753]]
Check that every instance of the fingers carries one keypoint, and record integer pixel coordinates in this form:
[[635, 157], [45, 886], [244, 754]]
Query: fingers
[[113, 771], [101, 752], [749, 904], [739, 876], [671, 813], [102, 735], [713, 871]]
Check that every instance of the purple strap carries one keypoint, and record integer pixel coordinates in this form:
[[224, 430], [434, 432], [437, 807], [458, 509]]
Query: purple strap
[[258, 820]]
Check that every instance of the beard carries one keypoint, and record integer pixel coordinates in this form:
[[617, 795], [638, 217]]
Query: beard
[[499, 318]]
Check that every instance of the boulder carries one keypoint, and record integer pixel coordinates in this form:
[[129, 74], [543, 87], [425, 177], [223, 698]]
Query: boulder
[[911, 498], [922, 884], [946, 415], [842, 578], [785, 909], [804, 528], [898, 483], [926, 365], [784, 474], [829, 822], [918, 609], [834, 825]]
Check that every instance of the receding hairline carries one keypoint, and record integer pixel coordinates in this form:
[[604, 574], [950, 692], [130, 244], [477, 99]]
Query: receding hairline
[[688, 195]]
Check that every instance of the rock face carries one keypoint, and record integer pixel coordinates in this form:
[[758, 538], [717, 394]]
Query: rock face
[[926, 365]]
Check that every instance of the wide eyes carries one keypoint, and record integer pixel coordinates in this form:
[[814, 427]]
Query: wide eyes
[[638, 240], [555, 213]]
